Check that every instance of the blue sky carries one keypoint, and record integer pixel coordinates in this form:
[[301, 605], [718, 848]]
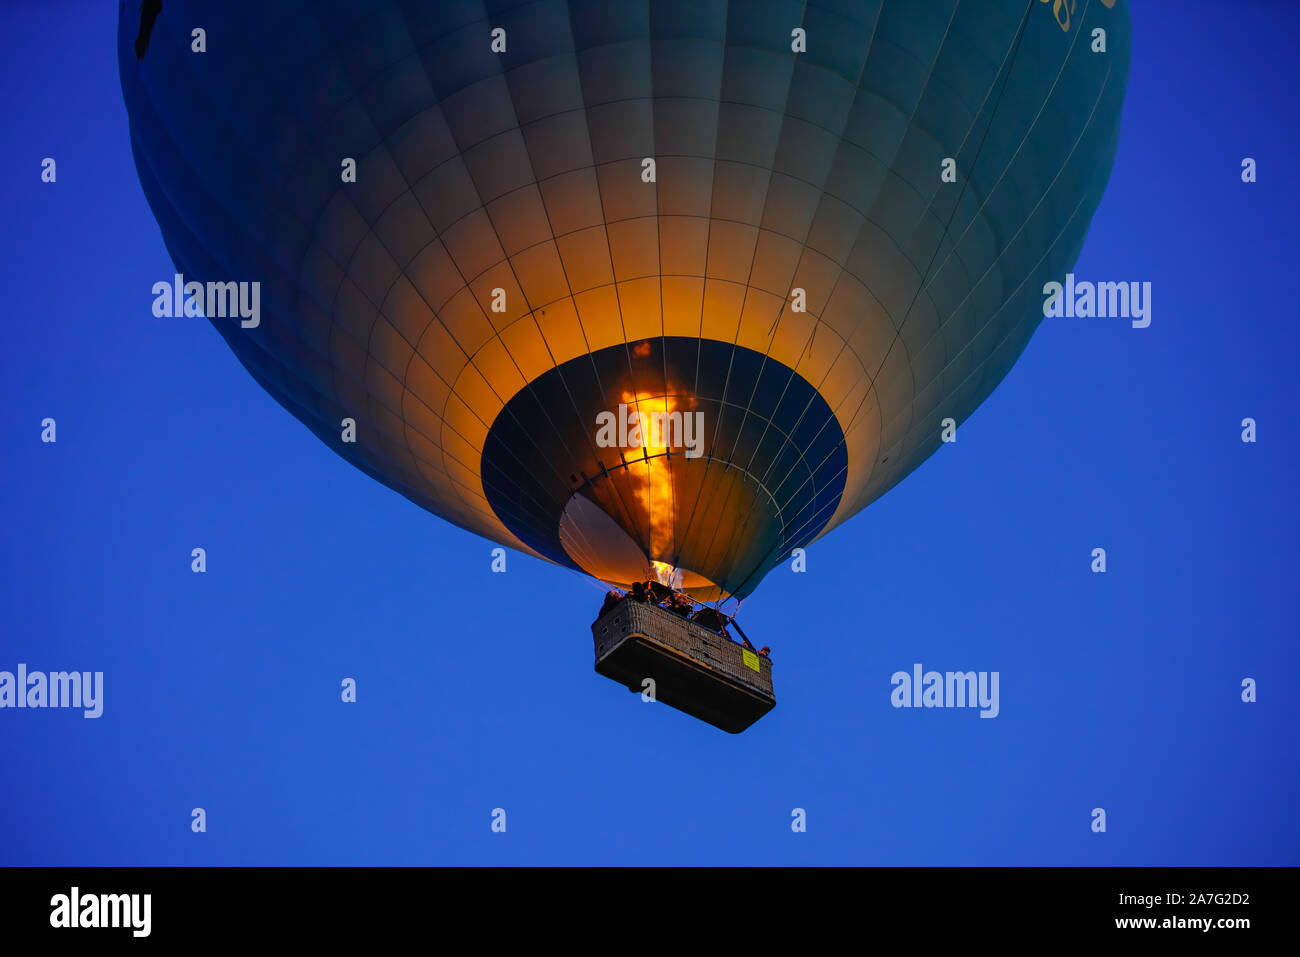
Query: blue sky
[[476, 690]]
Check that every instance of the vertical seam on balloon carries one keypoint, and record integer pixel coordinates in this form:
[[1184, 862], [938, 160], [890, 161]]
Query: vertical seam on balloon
[[472, 468], [758, 232], [1009, 61], [988, 197], [605, 227], [856, 86], [567, 282], [812, 475]]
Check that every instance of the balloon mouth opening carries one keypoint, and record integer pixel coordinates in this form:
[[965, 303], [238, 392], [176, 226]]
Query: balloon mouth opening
[[756, 468], [599, 546]]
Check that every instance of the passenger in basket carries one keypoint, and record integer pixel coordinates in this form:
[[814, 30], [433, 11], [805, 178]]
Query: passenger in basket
[[678, 604], [710, 618], [612, 598]]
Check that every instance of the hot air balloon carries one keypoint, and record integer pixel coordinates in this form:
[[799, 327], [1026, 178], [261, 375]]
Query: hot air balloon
[[650, 290]]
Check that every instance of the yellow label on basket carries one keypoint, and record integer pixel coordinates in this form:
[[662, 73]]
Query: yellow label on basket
[[751, 659]]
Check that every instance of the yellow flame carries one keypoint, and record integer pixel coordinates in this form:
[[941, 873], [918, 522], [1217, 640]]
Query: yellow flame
[[654, 474], [665, 574]]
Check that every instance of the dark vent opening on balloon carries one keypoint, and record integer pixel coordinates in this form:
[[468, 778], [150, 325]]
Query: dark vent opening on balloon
[[770, 480]]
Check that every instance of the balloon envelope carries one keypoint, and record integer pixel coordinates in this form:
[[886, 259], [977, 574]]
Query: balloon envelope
[[508, 240]]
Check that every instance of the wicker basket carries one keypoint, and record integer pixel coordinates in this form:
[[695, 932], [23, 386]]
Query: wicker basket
[[695, 670]]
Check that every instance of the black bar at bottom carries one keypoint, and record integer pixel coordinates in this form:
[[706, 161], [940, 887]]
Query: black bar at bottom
[[336, 906]]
